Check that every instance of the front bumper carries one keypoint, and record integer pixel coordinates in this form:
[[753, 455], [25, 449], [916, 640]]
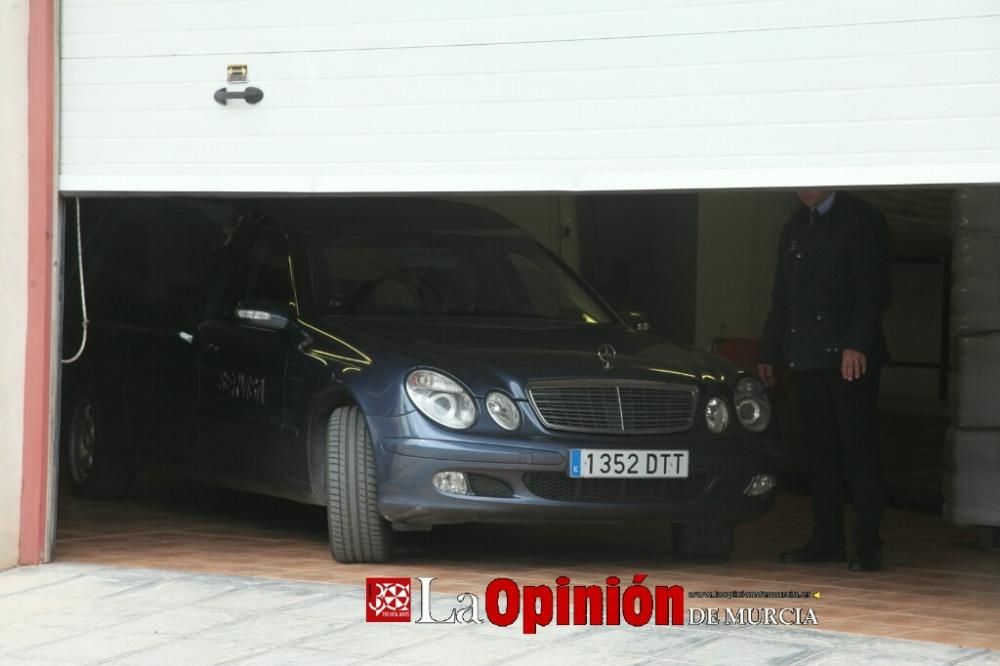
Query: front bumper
[[532, 473]]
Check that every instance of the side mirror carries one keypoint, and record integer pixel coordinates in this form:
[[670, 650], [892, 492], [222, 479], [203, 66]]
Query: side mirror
[[635, 320], [265, 314]]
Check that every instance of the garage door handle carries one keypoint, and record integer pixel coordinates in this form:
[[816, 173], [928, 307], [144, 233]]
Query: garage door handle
[[251, 95]]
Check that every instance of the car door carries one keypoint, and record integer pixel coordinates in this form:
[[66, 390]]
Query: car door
[[241, 370], [182, 260]]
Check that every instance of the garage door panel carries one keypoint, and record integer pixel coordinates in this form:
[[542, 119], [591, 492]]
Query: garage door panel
[[762, 142], [625, 114], [603, 169], [846, 55], [90, 12], [279, 26], [906, 89], [286, 91], [86, 16], [710, 44], [593, 176], [401, 78], [432, 81]]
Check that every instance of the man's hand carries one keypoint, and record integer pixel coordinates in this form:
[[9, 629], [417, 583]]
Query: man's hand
[[766, 372], [853, 364]]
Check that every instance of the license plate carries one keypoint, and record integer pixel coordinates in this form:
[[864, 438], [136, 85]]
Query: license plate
[[619, 464]]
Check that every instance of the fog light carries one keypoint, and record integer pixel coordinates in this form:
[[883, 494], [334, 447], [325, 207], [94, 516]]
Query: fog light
[[759, 485], [453, 483]]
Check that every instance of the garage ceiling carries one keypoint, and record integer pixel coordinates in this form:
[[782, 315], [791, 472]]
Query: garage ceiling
[[527, 95]]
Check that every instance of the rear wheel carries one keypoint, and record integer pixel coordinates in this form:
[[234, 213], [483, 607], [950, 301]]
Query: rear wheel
[[704, 540], [95, 471], [357, 532]]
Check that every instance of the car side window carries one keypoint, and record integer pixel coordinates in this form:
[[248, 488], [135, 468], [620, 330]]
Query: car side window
[[182, 252], [263, 275]]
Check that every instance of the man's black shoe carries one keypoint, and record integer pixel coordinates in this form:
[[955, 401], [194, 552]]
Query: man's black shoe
[[812, 552], [866, 559]]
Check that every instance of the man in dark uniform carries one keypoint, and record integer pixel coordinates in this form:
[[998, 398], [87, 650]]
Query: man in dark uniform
[[831, 288]]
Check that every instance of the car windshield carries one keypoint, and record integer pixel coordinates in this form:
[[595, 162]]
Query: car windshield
[[453, 273]]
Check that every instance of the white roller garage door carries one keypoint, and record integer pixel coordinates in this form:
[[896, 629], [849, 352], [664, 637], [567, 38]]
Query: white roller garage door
[[528, 95]]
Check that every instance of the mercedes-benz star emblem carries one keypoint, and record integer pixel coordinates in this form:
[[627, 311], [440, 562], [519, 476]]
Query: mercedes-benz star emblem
[[607, 355]]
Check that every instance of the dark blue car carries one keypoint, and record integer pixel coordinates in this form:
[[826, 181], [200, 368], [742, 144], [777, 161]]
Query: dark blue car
[[404, 362]]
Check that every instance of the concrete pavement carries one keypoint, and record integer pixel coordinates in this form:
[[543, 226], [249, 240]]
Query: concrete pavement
[[88, 614]]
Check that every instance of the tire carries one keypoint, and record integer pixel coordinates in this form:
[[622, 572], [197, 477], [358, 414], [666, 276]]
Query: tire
[[705, 540], [95, 470], [357, 532]]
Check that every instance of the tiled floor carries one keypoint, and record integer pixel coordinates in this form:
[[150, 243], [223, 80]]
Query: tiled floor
[[937, 584]]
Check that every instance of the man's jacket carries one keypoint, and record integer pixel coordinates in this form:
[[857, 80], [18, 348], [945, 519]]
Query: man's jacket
[[831, 287]]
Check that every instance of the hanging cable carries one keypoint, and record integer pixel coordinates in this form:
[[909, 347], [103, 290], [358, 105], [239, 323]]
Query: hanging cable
[[83, 290]]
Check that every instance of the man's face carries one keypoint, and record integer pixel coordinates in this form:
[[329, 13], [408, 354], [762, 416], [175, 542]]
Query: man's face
[[812, 197]]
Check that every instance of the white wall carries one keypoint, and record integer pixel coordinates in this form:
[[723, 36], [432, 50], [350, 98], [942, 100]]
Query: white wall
[[529, 95], [737, 253], [13, 264]]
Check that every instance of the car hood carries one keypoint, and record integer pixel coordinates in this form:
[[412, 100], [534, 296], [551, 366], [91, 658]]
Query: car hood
[[487, 354]]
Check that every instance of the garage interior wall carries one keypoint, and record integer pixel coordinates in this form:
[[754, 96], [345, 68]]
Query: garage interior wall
[[639, 250], [13, 266], [737, 252]]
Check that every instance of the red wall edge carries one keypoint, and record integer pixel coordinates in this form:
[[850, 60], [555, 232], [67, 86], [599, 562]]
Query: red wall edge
[[41, 202]]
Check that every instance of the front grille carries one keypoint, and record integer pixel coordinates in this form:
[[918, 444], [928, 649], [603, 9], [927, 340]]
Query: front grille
[[640, 408], [558, 486]]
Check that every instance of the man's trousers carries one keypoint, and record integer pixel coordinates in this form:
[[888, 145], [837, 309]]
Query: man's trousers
[[838, 420]]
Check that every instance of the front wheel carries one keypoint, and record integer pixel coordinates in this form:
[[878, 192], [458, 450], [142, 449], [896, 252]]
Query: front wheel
[[704, 540], [357, 532]]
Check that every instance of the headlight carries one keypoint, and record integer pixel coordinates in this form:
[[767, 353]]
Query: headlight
[[752, 406], [717, 415], [441, 399], [503, 410]]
